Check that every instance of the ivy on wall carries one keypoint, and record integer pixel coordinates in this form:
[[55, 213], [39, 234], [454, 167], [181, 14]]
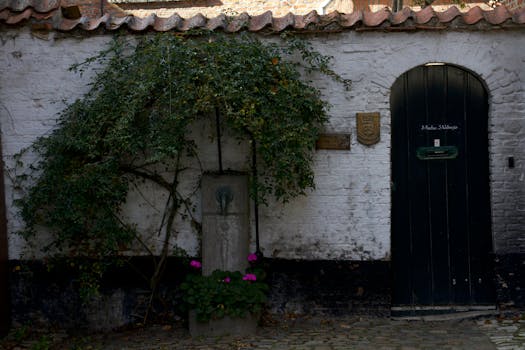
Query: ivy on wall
[[134, 126]]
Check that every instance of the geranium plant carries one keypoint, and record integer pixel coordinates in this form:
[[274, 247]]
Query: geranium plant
[[225, 293]]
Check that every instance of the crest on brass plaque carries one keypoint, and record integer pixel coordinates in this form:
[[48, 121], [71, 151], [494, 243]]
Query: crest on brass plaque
[[368, 128]]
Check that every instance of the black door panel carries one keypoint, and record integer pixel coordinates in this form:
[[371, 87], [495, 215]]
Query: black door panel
[[441, 230]]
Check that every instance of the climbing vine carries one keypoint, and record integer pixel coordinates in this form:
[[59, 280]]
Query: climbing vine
[[134, 126]]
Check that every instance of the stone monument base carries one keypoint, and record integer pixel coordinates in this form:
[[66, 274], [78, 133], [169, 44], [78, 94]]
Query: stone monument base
[[235, 326]]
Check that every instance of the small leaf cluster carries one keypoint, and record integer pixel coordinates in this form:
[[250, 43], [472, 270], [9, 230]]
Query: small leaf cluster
[[224, 293]]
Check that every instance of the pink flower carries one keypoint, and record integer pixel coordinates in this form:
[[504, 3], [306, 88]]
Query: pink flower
[[195, 264], [249, 277], [227, 280], [252, 257]]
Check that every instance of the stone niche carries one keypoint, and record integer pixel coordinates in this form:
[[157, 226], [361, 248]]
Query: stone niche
[[225, 222]]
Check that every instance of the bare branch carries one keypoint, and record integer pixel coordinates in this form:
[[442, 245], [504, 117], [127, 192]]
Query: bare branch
[[156, 178]]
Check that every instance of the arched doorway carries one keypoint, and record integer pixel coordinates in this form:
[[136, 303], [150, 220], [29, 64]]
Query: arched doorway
[[441, 219]]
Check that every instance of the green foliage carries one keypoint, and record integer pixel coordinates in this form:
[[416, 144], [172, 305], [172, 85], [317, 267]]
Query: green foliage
[[43, 343], [134, 126], [224, 293], [21, 333]]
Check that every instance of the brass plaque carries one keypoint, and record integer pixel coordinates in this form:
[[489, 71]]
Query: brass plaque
[[333, 141], [368, 128]]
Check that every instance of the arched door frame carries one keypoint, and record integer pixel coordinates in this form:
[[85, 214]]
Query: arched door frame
[[403, 89]]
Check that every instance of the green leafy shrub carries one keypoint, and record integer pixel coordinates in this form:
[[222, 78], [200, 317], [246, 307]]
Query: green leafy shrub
[[137, 118], [225, 293]]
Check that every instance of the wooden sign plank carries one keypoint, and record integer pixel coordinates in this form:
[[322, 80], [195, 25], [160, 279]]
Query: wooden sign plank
[[333, 142]]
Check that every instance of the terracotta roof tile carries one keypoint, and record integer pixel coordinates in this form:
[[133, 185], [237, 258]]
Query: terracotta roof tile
[[498, 16], [261, 21], [425, 15], [281, 23], [473, 16], [375, 19], [92, 24], [19, 17], [330, 18], [351, 19], [407, 19], [238, 23], [448, 15], [518, 16], [303, 21], [21, 5], [165, 24], [117, 23], [218, 22], [197, 21], [69, 24], [401, 17]]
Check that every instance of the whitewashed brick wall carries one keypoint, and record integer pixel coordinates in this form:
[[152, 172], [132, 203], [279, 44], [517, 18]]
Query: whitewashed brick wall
[[348, 215]]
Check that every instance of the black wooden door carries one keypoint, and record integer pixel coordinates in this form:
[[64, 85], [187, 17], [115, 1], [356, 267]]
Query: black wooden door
[[441, 226]]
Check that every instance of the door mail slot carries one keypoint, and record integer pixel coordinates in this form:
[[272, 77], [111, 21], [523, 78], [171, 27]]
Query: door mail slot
[[442, 152]]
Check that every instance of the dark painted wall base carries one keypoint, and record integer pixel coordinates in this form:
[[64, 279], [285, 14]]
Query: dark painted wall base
[[510, 280], [5, 302], [296, 287], [330, 287], [45, 296]]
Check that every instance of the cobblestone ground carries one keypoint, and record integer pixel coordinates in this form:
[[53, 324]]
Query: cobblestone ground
[[506, 334], [367, 333]]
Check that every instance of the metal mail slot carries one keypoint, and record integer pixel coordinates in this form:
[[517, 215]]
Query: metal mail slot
[[441, 152]]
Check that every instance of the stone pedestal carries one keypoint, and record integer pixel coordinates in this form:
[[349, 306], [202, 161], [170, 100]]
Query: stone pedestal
[[225, 223], [244, 326]]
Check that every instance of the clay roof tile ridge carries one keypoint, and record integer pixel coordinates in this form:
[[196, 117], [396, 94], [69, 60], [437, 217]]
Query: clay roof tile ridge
[[238, 22], [65, 24], [261, 21], [402, 16], [497, 16], [163, 24], [351, 19], [217, 22], [37, 5], [425, 15], [449, 14], [329, 18], [4, 14], [281, 23], [140, 24], [197, 21], [14, 18], [473, 16], [375, 19], [93, 24], [302, 21], [117, 22], [519, 16]]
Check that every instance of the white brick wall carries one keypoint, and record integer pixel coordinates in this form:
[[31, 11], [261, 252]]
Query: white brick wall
[[348, 215]]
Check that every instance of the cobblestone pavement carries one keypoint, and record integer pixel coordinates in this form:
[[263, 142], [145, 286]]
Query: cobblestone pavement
[[337, 334], [506, 334], [367, 333]]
